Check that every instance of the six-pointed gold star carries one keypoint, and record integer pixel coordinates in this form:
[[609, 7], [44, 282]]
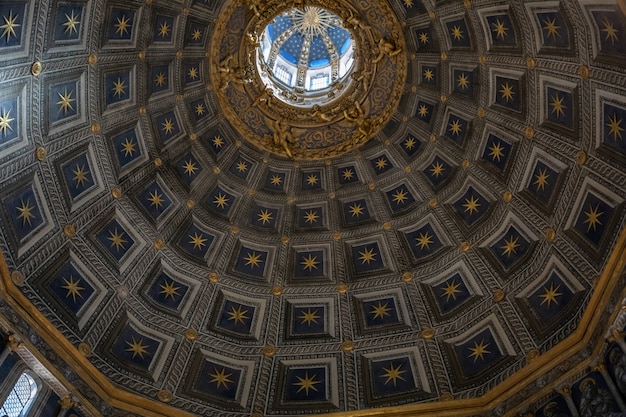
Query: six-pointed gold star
[[73, 288], [309, 262], [238, 315], [463, 81], [380, 310], [66, 100], [190, 168], [424, 240], [26, 212], [71, 23], [117, 240], [614, 125], [506, 91], [156, 199], [510, 246], [593, 217], [307, 383], [311, 216], [450, 290], [197, 240], [471, 204], [550, 295], [220, 378], [164, 30], [168, 126], [556, 102], [221, 201], [551, 28], [496, 151], [137, 347], [367, 256], [9, 26], [455, 127], [265, 216], [253, 260], [500, 29], [356, 209], [393, 374], [80, 175], [309, 317], [128, 147], [169, 289], [541, 179], [122, 25], [479, 350], [5, 122]]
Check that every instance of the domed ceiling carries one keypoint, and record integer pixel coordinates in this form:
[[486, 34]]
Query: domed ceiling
[[192, 246]]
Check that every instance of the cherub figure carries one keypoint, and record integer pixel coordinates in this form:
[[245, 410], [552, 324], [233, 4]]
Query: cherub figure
[[229, 74], [319, 115], [266, 97], [386, 48], [254, 6], [356, 115], [283, 136]]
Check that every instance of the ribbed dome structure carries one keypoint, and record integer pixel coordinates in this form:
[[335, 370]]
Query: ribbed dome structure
[[442, 233]]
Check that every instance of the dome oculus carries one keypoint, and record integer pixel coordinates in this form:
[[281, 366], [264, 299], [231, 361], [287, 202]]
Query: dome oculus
[[304, 53]]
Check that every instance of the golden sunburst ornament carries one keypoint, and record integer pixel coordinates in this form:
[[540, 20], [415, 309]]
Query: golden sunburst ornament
[[220, 378], [9, 26], [479, 350], [71, 23], [197, 240], [311, 216], [367, 256], [73, 288], [309, 262], [312, 21], [393, 374], [309, 317], [5, 122], [122, 25], [496, 151], [381, 310]]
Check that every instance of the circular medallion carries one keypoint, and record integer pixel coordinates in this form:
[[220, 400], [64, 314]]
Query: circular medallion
[[308, 82]]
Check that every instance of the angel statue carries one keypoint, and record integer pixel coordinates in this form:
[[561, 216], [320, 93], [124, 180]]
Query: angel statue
[[386, 48], [356, 115], [283, 136]]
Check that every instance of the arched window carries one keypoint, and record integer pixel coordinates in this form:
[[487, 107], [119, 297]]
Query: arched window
[[20, 398], [319, 81], [283, 74]]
